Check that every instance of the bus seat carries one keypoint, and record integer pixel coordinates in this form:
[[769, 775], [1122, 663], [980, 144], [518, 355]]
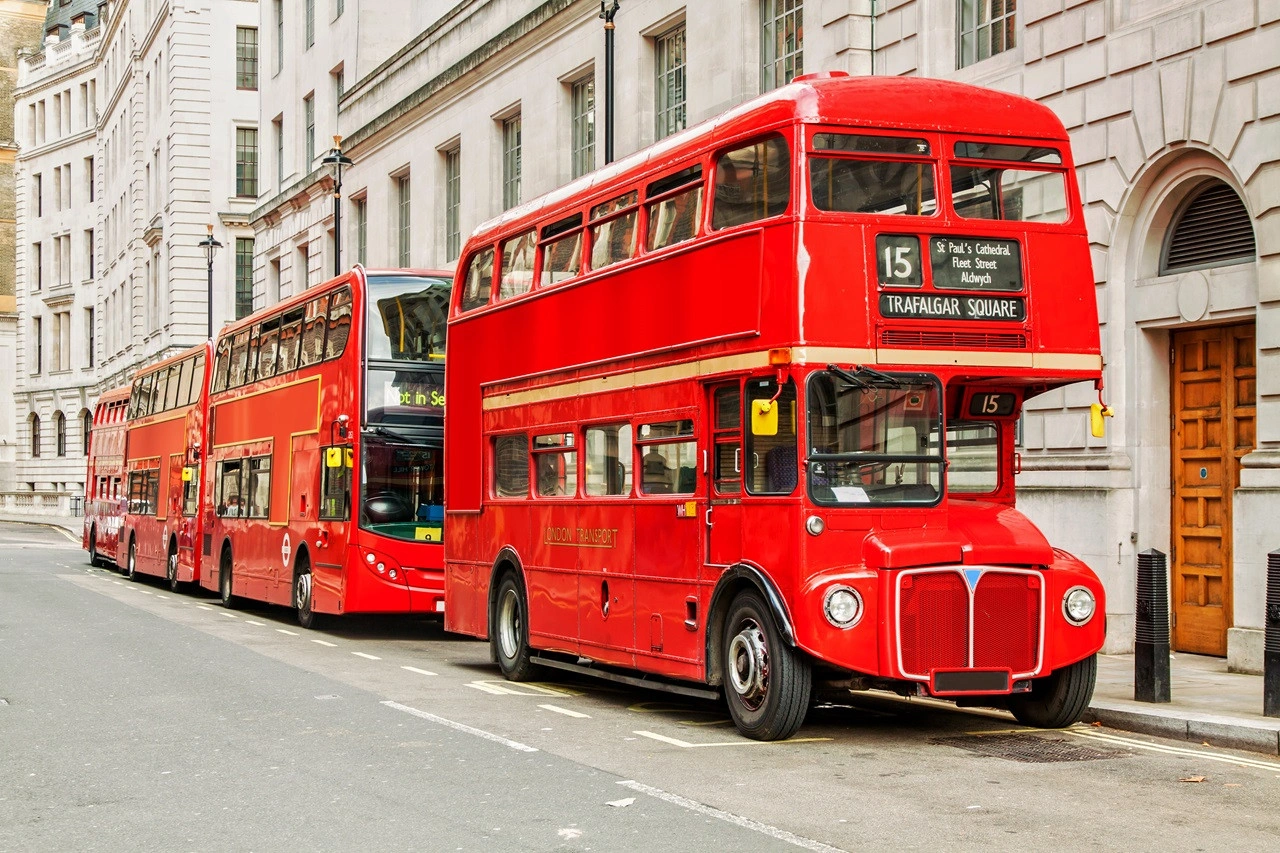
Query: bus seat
[[781, 469], [431, 512]]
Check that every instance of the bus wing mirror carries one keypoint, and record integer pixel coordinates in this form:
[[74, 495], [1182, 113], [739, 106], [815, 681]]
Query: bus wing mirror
[[1097, 412], [333, 457], [188, 474], [764, 417]]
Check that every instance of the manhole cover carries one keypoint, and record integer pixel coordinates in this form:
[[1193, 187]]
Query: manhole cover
[[1031, 749]]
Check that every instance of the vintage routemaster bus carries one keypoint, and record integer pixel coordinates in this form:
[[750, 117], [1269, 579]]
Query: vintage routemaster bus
[[165, 446], [325, 465], [739, 409], [104, 500]]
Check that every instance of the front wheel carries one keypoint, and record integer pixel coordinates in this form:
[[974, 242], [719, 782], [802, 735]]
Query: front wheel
[[171, 569], [509, 631], [229, 600], [93, 547], [1059, 699], [131, 562], [766, 683], [302, 597]]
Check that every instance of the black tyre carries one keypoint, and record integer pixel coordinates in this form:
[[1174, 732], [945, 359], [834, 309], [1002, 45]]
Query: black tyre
[[302, 595], [229, 601], [94, 559], [766, 683], [171, 568], [1059, 699], [131, 561], [509, 629]]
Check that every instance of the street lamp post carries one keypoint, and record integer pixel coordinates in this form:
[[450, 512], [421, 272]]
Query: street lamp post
[[210, 246], [335, 161], [608, 8]]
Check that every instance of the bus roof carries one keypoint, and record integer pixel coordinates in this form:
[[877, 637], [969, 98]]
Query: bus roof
[[890, 103], [114, 394], [168, 360]]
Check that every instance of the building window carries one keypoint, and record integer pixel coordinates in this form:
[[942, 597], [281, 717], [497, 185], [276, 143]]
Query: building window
[[669, 87], [60, 433], [247, 162], [781, 42], [339, 85], [244, 276], [37, 342], [511, 162], [362, 229], [452, 203], [246, 58], [35, 436], [403, 221], [986, 27], [309, 115], [90, 342], [278, 127], [61, 341], [37, 266], [86, 429], [37, 189], [1212, 229], [340, 7], [279, 35], [89, 251], [583, 120], [311, 23], [90, 177]]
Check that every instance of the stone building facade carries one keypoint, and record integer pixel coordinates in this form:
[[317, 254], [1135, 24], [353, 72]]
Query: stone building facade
[[128, 122]]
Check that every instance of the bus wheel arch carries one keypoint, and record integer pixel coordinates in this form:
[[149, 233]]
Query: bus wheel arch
[[304, 590], [737, 579], [509, 618]]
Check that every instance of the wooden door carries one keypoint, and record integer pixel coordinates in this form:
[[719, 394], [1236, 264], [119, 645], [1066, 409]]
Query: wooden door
[[1213, 427]]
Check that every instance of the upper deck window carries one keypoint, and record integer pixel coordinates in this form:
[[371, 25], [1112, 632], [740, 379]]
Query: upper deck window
[[860, 177], [407, 317], [674, 216], [478, 283], [614, 240], [561, 250], [517, 265], [1024, 193], [752, 183]]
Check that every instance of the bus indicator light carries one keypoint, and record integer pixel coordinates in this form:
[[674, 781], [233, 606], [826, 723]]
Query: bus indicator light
[[780, 356]]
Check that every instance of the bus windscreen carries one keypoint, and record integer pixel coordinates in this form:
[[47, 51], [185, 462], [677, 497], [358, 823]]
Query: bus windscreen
[[407, 317]]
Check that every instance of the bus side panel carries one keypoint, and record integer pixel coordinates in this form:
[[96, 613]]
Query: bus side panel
[[668, 564], [550, 568], [1059, 310], [837, 302]]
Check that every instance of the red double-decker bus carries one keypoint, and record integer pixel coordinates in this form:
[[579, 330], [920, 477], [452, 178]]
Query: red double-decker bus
[[739, 410], [324, 471], [165, 445], [104, 500]]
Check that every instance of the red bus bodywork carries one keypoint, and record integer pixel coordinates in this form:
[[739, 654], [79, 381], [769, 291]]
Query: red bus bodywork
[[104, 499], [167, 412], [948, 590], [302, 422]]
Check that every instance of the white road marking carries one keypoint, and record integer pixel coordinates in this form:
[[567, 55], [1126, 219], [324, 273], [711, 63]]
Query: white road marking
[[146, 592], [290, 633], [366, 656], [729, 817], [117, 583], [524, 688], [202, 607], [686, 745], [229, 615], [158, 595], [495, 689], [419, 671], [461, 727], [326, 643], [251, 622], [1175, 750], [565, 711]]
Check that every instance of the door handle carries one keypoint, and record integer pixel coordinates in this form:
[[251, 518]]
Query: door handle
[[706, 518]]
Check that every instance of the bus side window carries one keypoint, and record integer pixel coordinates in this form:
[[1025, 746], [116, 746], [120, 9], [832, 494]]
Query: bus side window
[[752, 182], [668, 458], [557, 465], [239, 360], [339, 323], [335, 484], [221, 364], [608, 460], [517, 265], [773, 460], [478, 283], [259, 492], [511, 466], [313, 331], [290, 341]]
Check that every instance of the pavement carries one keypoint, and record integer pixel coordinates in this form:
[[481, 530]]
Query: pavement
[[1209, 704]]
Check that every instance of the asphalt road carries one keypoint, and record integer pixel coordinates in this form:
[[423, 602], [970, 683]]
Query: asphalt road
[[135, 719]]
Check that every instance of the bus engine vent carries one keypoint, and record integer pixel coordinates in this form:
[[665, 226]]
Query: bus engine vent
[[952, 340], [940, 620]]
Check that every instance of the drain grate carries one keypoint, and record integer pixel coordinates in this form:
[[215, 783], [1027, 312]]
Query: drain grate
[[1031, 749]]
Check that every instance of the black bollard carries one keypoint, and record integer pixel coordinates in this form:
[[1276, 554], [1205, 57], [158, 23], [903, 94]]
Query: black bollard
[[1151, 631], [1271, 640]]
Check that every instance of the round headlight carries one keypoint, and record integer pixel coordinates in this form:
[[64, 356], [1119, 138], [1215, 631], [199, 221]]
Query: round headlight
[[843, 606], [1078, 605], [815, 525]]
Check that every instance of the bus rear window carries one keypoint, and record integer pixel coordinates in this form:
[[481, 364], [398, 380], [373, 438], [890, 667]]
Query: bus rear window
[[981, 192], [859, 144], [752, 183], [1001, 151]]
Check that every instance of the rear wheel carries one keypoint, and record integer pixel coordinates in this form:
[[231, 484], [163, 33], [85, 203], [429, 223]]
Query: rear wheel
[[302, 592], [171, 568], [1058, 700], [229, 601], [131, 562], [509, 630], [766, 683], [94, 559]]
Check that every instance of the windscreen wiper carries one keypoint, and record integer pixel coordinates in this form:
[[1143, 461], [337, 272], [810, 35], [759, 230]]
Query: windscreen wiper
[[875, 377], [849, 378], [394, 436]]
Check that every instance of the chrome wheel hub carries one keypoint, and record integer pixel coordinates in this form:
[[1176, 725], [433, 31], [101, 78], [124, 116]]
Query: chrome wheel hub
[[749, 665], [302, 591], [509, 624]]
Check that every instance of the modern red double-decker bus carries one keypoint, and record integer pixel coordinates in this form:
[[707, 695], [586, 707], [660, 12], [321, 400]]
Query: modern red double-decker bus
[[739, 409], [324, 471], [165, 446], [104, 500]]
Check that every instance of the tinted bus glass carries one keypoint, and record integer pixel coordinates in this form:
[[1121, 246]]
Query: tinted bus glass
[[752, 182], [407, 316]]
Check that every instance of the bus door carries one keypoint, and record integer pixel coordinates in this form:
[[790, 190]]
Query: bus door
[[770, 473], [723, 513]]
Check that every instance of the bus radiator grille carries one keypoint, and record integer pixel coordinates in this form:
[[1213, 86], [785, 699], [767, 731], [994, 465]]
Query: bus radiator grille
[[933, 622], [1006, 621], [952, 340]]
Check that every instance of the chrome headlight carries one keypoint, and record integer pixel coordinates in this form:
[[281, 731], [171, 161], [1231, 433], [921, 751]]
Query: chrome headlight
[[1078, 605], [815, 525], [842, 606]]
